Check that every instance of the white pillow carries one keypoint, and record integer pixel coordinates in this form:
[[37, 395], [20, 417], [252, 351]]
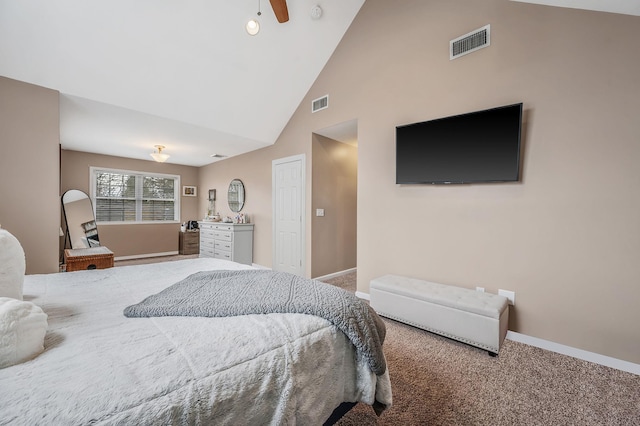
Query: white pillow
[[12, 266], [22, 329]]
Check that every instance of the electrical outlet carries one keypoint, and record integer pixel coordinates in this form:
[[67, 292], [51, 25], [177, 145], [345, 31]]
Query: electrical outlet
[[511, 295], [319, 212], [480, 289]]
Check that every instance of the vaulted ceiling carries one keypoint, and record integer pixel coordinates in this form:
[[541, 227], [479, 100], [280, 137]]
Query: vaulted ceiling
[[184, 74]]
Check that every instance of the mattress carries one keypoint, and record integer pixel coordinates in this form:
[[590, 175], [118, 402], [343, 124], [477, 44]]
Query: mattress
[[102, 368]]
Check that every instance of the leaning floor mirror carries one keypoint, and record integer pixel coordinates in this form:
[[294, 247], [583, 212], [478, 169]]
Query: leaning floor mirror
[[82, 231]]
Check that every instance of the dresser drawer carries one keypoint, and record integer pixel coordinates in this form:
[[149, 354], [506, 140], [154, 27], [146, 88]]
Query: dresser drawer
[[219, 254], [223, 235], [206, 235], [204, 242], [223, 245], [206, 251], [220, 227]]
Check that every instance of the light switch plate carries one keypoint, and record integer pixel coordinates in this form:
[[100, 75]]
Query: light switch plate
[[319, 212]]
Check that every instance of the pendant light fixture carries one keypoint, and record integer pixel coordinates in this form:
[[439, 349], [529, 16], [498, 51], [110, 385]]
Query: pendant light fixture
[[159, 156], [253, 26]]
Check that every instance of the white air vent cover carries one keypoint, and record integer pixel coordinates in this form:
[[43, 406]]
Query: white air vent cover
[[320, 103], [470, 42]]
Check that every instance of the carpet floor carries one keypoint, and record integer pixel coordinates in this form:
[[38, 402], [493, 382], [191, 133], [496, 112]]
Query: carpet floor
[[438, 381]]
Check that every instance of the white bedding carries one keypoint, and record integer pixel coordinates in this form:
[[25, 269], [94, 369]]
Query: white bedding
[[100, 367]]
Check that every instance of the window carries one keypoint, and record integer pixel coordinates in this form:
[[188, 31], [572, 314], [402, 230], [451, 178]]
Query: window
[[125, 196]]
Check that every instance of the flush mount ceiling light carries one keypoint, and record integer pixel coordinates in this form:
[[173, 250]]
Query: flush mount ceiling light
[[159, 156]]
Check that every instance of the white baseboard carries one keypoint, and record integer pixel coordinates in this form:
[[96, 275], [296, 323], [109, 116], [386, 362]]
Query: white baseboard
[[255, 265], [144, 256], [607, 361], [339, 274], [362, 295], [336, 274]]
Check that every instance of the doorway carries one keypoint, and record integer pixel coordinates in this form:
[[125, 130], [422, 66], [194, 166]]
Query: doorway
[[334, 195]]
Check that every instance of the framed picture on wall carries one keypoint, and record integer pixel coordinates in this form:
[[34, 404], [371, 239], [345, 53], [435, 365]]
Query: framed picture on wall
[[189, 191]]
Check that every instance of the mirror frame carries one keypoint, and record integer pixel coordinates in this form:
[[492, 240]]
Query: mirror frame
[[241, 196], [84, 229]]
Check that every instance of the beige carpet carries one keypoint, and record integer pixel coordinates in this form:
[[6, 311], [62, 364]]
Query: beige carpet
[[437, 381]]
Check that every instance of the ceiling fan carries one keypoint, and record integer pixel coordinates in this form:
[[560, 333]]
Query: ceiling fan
[[280, 9]]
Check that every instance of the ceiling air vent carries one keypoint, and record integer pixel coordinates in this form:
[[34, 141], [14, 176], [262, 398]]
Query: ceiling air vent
[[470, 42], [320, 103]]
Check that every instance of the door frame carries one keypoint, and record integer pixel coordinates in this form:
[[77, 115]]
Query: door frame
[[303, 213]]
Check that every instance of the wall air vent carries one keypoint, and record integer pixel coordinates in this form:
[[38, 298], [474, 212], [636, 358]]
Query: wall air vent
[[320, 103], [470, 42]]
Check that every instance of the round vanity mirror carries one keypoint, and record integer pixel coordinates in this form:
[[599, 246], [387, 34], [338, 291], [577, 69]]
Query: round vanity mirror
[[235, 195]]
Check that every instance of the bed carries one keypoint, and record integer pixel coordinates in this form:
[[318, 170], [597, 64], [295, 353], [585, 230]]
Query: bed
[[100, 367]]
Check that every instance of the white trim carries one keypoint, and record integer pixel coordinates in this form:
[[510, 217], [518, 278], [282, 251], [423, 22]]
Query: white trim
[[336, 274], [255, 265], [607, 361], [362, 295], [144, 256], [303, 207]]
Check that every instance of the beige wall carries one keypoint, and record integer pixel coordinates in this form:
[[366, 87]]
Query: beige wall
[[140, 239], [334, 188], [254, 170], [566, 238], [29, 171]]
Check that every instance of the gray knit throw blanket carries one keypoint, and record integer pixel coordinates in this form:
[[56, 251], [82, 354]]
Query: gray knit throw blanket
[[231, 293]]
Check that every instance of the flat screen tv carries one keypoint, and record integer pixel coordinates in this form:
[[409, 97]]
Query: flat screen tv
[[481, 146]]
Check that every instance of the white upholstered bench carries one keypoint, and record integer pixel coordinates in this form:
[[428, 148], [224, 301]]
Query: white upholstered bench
[[476, 318]]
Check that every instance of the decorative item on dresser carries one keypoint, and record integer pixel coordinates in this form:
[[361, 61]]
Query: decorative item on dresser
[[88, 258], [189, 242], [230, 241]]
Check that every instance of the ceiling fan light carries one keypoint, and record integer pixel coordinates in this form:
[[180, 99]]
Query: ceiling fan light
[[159, 156], [252, 27]]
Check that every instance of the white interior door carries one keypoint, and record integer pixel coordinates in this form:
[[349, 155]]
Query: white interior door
[[288, 191]]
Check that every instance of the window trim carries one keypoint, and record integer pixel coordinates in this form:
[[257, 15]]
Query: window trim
[[93, 170]]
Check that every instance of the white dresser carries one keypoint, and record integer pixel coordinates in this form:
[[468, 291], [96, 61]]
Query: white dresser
[[228, 241]]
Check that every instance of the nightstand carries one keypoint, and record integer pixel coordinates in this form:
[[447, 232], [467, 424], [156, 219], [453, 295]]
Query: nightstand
[[189, 242]]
